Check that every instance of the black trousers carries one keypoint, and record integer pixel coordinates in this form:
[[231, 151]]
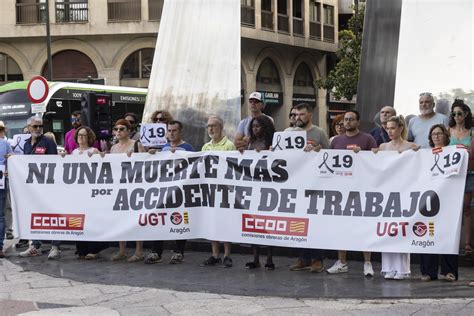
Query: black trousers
[[157, 246], [429, 265], [85, 247], [307, 255]]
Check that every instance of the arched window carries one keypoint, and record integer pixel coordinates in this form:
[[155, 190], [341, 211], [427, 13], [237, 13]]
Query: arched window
[[303, 77], [9, 69], [268, 73], [138, 64], [71, 65]]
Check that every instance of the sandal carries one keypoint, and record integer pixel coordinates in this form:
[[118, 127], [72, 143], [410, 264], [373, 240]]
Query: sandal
[[450, 277], [468, 249], [135, 258], [118, 257], [252, 265], [269, 266]]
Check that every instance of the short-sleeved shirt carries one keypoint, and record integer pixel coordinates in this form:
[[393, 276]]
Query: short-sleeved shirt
[[380, 135], [244, 125], [363, 140], [314, 136], [419, 129], [5, 149], [184, 146], [69, 141], [223, 145], [43, 146]]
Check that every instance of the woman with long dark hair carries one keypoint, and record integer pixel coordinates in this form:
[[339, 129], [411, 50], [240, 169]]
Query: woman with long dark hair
[[460, 128], [261, 132]]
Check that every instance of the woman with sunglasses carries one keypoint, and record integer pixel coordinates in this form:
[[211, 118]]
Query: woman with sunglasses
[[438, 137], [337, 126], [125, 145], [161, 116], [460, 124]]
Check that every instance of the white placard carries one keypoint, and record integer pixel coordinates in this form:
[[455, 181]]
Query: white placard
[[447, 161], [336, 163], [289, 140], [153, 134], [269, 198], [38, 108], [18, 143]]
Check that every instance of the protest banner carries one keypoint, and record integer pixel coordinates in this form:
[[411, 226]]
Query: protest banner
[[388, 201]]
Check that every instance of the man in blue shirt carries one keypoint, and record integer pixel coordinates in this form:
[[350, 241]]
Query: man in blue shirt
[[38, 144], [175, 138], [5, 151]]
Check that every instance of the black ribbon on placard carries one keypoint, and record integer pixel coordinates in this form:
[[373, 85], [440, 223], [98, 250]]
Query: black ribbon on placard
[[325, 159], [144, 135], [277, 145], [18, 140], [436, 158]]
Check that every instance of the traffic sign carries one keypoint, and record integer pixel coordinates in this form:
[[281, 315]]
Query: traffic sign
[[37, 89]]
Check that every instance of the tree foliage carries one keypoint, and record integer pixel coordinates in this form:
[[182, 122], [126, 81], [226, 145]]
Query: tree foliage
[[344, 77]]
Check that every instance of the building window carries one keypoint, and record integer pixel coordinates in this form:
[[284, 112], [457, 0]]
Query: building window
[[298, 25], [267, 14], [315, 11], [282, 7], [247, 12], [124, 10], [81, 68], [303, 77], [30, 11], [138, 64], [9, 69], [72, 11], [268, 73], [328, 27], [155, 9]]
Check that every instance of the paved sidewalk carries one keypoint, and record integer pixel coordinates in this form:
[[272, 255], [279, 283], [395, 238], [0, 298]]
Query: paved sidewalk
[[36, 286]]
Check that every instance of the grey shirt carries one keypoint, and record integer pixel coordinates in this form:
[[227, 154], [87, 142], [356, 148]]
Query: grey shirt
[[419, 129], [315, 136]]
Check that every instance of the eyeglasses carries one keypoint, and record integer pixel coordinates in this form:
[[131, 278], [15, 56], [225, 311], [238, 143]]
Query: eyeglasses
[[458, 113], [119, 129], [349, 119], [292, 114], [212, 126], [340, 125], [439, 134], [36, 126]]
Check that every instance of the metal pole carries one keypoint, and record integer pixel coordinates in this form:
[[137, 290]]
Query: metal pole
[[48, 44]]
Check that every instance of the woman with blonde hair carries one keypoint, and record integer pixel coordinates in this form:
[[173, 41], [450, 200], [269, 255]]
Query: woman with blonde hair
[[396, 265]]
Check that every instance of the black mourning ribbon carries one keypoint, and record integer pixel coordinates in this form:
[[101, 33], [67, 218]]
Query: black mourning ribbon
[[325, 158], [436, 158], [277, 143], [144, 135], [18, 140]]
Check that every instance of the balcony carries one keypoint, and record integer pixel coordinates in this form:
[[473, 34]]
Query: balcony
[[119, 10], [247, 15], [328, 33], [298, 26], [267, 20], [315, 30], [283, 24], [155, 8], [72, 12], [30, 13]]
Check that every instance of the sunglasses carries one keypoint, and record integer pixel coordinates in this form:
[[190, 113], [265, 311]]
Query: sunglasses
[[160, 119], [36, 126], [74, 119], [292, 114], [458, 113], [119, 129], [429, 94]]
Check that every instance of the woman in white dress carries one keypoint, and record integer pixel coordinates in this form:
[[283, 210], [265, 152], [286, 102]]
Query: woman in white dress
[[396, 265]]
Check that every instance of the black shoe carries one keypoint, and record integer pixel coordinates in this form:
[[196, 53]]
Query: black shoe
[[22, 243], [211, 262], [252, 265], [227, 263], [9, 235]]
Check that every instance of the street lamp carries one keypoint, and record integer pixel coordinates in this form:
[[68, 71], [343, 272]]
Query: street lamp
[[48, 44]]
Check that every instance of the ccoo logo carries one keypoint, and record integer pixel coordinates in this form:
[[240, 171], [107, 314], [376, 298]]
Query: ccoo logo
[[420, 229]]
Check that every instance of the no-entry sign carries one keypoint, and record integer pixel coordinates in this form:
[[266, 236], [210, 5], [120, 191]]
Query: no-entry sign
[[37, 89]]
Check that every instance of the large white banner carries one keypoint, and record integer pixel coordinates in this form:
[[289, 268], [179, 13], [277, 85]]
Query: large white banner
[[334, 199]]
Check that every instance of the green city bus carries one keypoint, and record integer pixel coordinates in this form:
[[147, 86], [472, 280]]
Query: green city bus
[[63, 99]]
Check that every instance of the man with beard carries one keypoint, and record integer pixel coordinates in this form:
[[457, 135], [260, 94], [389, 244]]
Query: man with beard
[[309, 259], [419, 126], [355, 140], [69, 142], [380, 132]]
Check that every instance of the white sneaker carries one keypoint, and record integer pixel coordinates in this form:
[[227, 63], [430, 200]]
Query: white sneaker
[[401, 276], [54, 253], [338, 267], [368, 270], [389, 275], [31, 252]]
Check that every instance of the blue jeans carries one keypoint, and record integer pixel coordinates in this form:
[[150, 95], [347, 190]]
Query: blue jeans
[[3, 195], [37, 243]]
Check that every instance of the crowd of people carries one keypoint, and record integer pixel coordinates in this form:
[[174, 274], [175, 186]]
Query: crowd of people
[[255, 132]]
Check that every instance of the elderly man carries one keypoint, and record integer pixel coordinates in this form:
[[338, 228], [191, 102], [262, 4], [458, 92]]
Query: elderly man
[[219, 142], [256, 107], [419, 126], [379, 133], [38, 144]]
